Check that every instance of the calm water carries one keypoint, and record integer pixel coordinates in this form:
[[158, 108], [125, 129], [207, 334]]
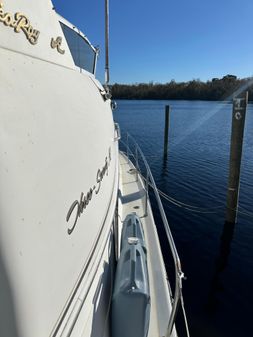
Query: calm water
[[217, 260]]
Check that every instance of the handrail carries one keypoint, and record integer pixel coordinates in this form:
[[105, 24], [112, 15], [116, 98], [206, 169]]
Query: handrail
[[179, 275]]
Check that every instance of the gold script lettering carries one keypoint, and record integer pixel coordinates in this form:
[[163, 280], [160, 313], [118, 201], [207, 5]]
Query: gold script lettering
[[57, 44], [20, 23], [7, 19], [77, 208]]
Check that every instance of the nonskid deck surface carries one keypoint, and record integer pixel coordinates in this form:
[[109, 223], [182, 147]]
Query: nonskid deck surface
[[132, 199]]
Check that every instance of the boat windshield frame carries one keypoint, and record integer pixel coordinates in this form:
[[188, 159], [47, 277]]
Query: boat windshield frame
[[63, 22]]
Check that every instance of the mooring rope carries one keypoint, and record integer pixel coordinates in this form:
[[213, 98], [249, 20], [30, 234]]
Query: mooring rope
[[197, 209]]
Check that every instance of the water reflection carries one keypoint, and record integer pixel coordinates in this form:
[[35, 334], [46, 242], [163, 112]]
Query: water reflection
[[220, 266], [164, 172]]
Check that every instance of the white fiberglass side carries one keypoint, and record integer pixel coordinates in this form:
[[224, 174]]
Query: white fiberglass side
[[42, 26], [57, 150]]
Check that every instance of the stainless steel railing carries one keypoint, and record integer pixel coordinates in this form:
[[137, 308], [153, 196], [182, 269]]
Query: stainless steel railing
[[177, 297], [117, 134]]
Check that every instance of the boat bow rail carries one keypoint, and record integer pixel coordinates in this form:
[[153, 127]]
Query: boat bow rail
[[135, 154]]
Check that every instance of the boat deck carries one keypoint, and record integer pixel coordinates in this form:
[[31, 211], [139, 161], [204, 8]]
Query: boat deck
[[132, 199]]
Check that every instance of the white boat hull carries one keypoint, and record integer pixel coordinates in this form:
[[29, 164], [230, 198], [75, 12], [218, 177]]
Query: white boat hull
[[56, 142]]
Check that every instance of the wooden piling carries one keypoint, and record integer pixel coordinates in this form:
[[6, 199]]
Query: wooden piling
[[238, 122], [166, 130]]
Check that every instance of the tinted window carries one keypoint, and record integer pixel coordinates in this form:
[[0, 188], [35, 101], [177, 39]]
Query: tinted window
[[82, 53]]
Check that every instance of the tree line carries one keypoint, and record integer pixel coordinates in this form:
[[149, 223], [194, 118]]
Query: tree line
[[213, 90]]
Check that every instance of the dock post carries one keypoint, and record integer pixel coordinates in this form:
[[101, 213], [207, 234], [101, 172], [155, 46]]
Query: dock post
[[166, 130], [238, 122]]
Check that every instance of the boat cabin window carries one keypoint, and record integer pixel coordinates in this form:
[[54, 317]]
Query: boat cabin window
[[83, 55]]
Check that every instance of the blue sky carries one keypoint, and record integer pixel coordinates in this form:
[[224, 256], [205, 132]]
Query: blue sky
[[163, 40]]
